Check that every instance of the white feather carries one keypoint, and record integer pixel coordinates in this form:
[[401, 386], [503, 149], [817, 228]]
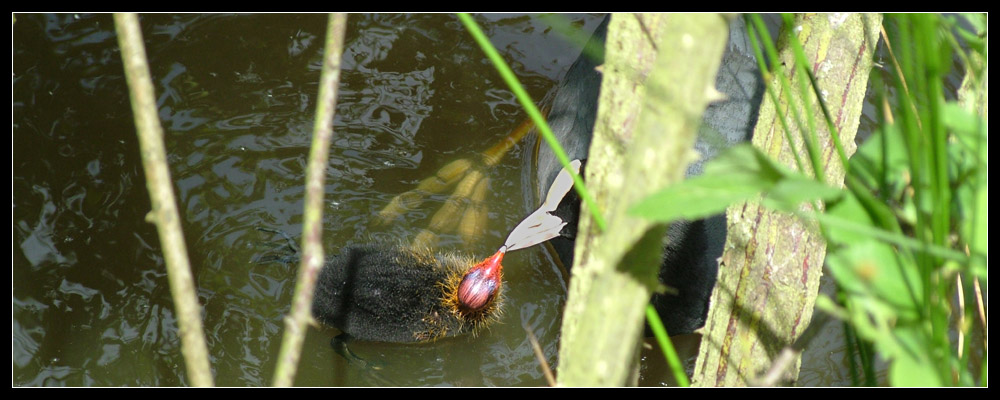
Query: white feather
[[541, 225]]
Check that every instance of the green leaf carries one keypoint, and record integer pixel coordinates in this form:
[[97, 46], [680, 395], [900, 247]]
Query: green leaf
[[851, 210], [910, 365], [738, 174], [973, 225], [872, 268], [969, 128], [869, 319], [828, 306], [868, 161], [968, 156], [746, 160], [697, 198], [789, 193]]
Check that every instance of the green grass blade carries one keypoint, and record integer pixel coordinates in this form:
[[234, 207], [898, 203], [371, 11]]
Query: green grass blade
[[668, 348], [771, 95]]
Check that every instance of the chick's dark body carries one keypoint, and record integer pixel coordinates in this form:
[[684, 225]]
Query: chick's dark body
[[388, 293]]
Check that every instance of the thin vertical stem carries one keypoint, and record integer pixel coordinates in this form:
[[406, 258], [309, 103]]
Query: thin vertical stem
[[312, 244], [161, 193], [668, 348], [768, 78]]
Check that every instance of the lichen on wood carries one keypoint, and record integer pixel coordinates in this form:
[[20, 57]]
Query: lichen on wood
[[643, 137], [770, 269]]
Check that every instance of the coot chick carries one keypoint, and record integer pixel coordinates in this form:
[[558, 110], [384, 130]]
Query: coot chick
[[394, 293]]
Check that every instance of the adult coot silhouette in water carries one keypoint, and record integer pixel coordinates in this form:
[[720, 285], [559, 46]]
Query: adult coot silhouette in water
[[690, 257], [395, 293]]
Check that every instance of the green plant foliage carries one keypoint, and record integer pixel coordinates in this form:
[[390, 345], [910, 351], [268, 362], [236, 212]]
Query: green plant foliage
[[871, 269], [881, 161], [969, 154], [972, 201], [927, 163], [975, 39], [912, 366], [913, 220], [740, 173]]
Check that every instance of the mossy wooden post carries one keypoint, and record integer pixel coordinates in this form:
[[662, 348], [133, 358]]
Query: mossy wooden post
[[632, 155], [769, 273]]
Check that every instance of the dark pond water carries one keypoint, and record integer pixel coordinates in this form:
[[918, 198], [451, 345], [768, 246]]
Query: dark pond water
[[90, 301]]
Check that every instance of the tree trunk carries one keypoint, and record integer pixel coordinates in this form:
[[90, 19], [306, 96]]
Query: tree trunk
[[632, 154], [769, 273]]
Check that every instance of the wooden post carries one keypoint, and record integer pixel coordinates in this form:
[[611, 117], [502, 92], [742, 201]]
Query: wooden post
[[769, 273]]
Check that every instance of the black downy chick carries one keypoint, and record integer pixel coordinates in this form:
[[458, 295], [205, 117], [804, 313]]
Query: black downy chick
[[387, 293], [392, 293]]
